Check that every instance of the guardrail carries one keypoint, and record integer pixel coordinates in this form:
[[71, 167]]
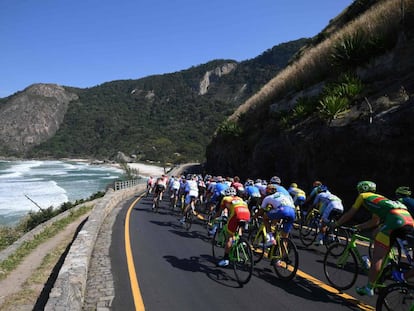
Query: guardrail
[[120, 185]]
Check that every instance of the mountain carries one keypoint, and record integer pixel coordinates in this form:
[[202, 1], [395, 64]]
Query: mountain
[[340, 113], [167, 118]]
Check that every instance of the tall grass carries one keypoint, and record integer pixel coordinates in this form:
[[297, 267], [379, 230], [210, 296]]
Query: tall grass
[[381, 21]]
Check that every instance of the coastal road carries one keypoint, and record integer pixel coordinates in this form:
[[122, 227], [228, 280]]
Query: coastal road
[[157, 265]]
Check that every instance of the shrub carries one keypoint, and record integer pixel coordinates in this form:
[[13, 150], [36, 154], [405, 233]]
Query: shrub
[[331, 106]]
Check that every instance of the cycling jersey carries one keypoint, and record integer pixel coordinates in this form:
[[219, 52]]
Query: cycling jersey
[[159, 186], [393, 214], [281, 207], [237, 210], [298, 195], [409, 202], [326, 202]]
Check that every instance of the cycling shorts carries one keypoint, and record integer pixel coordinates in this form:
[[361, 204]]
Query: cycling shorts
[[283, 212], [159, 188], [390, 230], [240, 213], [330, 207]]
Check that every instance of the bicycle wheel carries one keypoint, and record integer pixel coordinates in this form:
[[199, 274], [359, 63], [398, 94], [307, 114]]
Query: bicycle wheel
[[242, 261], [209, 222], [218, 242], [188, 219], [285, 259], [336, 235], [309, 231], [257, 241], [396, 297], [340, 266]]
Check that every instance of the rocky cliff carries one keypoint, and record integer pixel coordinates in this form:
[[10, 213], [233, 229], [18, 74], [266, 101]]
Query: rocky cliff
[[32, 116], [372, 141]]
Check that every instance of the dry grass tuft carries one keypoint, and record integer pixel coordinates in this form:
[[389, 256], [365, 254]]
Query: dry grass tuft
[[315, 64]]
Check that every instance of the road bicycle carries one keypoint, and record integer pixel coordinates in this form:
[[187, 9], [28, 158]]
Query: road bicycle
[[310, 228], [396, 297], [156, 202], [173, 199], [342, 263], [188, 219], [240, 255], [283, 254]]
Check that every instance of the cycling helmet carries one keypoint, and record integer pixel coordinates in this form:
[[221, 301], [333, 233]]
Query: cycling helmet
[[264, 182], [366, 186], [403, 191], [258, 181], [322, 188], [275, 180], [270, 189], [293, 185], [230, 191], [250, 182]]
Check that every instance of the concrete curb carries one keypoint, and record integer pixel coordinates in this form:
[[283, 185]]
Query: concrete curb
[[70, 286]]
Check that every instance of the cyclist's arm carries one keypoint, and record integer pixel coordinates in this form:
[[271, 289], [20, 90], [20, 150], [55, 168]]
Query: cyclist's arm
[[371, 223], [347, 216]]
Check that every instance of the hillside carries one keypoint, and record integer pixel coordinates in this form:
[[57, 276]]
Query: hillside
[[340, 113], [167, 118]]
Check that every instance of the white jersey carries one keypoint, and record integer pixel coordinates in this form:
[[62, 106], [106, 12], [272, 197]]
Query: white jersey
[[175, 184], [192, 188], [277, 200]]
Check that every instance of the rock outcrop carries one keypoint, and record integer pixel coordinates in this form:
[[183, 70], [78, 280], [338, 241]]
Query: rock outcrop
[[33, 116]]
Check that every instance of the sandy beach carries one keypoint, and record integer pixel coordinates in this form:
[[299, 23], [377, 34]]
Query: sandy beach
[[146, 169]]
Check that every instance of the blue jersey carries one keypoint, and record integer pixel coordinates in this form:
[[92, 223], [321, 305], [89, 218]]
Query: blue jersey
[[409, 202], [219, 190], [253, 191]]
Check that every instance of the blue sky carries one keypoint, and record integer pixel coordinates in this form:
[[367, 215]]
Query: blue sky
[[83, 43]]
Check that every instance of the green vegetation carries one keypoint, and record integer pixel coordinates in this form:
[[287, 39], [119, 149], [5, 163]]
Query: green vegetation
[[337, 97], [229, 129], [13, 260], [162, 117], [8, 235]]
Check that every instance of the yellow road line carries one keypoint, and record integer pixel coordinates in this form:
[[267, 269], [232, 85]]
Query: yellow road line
[[136, 293], [334, 291]]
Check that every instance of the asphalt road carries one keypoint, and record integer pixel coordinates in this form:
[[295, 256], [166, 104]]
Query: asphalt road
[[169, 268]]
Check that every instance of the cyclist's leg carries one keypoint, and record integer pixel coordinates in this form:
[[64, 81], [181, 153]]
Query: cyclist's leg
[[229, 240]]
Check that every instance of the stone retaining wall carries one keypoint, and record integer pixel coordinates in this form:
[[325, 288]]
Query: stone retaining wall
[[69, 289]]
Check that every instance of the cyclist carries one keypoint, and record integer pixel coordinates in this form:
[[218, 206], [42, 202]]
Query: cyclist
[[328, 204], [298, 195], [276, 206], [395, 222], [150, 184], [181, 192], [159, 189], [403, 195], [275, 180], [312, 194], [236, 184], [218, 194], [191, 195], [201, 189], [175, 187], [237, 210], [253, 195], [261, 186]]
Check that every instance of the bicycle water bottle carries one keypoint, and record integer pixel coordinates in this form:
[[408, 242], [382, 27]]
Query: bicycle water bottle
[[366, 262]]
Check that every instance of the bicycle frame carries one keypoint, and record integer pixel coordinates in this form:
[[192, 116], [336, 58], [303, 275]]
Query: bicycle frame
[[352, 247]]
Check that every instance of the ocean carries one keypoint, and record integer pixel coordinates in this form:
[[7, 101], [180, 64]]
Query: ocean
[[48, 183]]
